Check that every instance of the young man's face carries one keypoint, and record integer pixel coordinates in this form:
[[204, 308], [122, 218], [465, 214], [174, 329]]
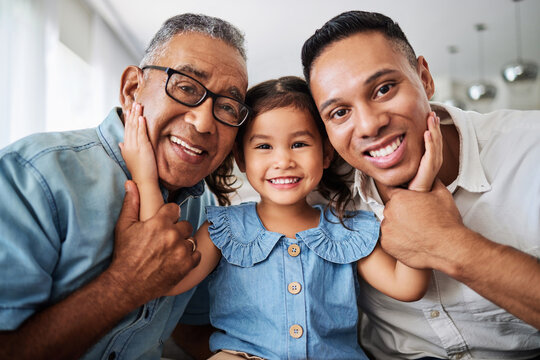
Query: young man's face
[[374, 105], [189, 143]]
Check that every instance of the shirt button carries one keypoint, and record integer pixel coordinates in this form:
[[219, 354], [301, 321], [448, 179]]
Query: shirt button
[[458, 356], [294, 250], [434, 314], [294, 287], [112, 356], [296, 331]]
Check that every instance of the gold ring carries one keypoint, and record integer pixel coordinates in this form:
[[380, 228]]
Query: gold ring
[[191, 240]]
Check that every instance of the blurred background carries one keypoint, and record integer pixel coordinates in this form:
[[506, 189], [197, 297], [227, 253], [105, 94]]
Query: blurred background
[[62, 60]]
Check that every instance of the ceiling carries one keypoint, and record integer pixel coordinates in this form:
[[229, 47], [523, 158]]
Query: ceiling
[[275, 30]]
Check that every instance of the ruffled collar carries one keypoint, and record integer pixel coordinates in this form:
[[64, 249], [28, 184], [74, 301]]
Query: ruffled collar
[[244, 241]]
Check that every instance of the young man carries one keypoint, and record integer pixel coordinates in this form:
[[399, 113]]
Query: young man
[[75, 284], [479, 228]]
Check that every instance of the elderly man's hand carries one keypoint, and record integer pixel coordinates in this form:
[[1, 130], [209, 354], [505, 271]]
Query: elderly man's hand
[[150, 257]]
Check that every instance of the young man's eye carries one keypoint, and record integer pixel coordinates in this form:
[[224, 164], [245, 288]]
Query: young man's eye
[[384, 89], [338, 114]]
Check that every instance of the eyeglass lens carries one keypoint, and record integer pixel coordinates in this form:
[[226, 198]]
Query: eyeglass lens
[[190, 92]]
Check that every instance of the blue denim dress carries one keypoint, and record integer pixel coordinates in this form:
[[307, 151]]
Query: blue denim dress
[[282, 298]]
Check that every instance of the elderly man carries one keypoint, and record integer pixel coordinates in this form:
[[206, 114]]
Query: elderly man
[[74, 284], [480, 231]]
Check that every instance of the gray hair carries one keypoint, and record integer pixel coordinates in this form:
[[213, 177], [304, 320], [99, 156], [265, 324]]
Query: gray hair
[[207, 25]]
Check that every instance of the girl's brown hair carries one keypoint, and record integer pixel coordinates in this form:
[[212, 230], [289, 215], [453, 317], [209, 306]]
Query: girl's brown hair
[[281, 93], [292, 91]]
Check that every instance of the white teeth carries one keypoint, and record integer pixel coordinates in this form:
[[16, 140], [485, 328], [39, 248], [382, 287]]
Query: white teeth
[[281, 181], [387, 150], [176, 140]]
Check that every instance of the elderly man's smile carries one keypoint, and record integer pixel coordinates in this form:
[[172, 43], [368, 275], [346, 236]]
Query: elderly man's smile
[[190, 153]]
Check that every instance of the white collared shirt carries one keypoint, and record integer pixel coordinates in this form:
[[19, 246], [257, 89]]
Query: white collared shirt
[[497, 192]]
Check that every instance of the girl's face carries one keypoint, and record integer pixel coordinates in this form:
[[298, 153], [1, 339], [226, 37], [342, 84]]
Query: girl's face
[[284, 155]]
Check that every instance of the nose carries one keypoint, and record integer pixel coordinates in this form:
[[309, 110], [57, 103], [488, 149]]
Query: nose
[[369, 121], [283, 159], [201, 117]]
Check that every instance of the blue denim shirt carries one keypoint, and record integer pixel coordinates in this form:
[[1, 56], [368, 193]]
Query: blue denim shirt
[[282, 298], [61, 194]]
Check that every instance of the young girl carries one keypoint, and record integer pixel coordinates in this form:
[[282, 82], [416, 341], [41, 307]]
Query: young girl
[[283, 274]]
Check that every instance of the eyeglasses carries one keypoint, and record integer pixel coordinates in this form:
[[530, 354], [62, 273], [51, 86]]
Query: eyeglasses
[[187, 91]]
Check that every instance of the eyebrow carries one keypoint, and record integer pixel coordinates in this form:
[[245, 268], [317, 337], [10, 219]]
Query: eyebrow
[[233, 91], [368, 81], [293, 135]]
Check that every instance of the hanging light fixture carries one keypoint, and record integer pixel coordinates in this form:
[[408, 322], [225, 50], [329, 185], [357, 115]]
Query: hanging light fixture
[[519, 70], [481, 90], [453, 100]]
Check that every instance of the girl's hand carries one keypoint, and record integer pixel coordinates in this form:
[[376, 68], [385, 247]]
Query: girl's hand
[[136, 149], [431, 162]]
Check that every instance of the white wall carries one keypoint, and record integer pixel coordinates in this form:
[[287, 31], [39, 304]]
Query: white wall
[[61, 69]]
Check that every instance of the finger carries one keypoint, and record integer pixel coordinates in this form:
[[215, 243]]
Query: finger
[[439, 186], [128, 127], [134, 129], [436, 143], [130, 208], [170, 212], [142, 135], [196, 257], [184, 228], [391, 191]]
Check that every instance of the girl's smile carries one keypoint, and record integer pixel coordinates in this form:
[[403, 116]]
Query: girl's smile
[[283, 156]]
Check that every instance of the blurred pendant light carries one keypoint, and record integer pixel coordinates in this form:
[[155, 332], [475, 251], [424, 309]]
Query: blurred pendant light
[[481, 90], [519, 70], [453, 100]]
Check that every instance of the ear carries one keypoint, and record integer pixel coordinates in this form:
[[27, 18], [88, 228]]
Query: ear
[[425, 76], [328, 153], [239, 157], [130, 85]]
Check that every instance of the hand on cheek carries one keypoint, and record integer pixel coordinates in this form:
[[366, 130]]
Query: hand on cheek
[[431, 161]]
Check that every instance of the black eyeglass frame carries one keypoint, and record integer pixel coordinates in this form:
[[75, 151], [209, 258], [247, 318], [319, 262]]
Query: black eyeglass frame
[[170, 71]]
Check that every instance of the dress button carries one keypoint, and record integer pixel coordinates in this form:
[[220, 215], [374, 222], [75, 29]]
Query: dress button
[[296, 331], [294, 250], [434, 314], [294, 287]]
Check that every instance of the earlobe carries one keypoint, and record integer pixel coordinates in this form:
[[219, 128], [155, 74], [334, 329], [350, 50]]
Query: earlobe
[[239, 158], [130, 84], [425, 77], [328, 154]]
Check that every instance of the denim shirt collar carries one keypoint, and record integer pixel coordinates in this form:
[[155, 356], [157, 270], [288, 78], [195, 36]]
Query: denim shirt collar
[[111, 133], [244, 241]]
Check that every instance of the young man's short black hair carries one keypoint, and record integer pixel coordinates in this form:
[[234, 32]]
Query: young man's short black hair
[[350, 23]]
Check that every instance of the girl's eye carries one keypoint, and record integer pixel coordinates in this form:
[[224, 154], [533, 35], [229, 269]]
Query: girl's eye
[[263, 147], [384, 90], [298, 145]]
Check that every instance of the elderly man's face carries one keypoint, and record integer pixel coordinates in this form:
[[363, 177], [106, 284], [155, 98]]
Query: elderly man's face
[[374, 105], [189, 143]]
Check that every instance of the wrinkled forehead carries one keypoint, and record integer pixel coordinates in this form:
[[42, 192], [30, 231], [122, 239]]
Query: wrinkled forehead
[[211, 61]]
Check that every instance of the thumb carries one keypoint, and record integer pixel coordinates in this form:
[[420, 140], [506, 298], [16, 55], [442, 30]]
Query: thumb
[[438, 185], [130, 208], [391, 191]]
